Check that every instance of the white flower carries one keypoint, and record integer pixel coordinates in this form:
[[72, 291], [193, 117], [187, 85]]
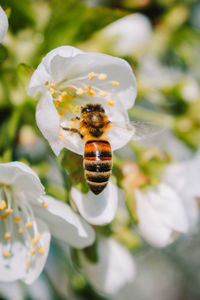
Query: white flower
[[114, 269], [3, 24], [97, 209], [27, 217], [127, 35], [170, 208], [68, 78]]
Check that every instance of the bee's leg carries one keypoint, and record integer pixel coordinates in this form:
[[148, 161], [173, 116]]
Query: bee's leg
[[74, 130]]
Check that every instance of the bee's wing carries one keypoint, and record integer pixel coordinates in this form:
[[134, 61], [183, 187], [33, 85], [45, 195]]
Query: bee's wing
[[140, 129]]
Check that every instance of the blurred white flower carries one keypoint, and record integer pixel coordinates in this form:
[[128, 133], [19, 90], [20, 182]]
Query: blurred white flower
[[28, 217], [114, 269], [68, 78], [127, 35], [97, 209], [170, 208], [3, 24]]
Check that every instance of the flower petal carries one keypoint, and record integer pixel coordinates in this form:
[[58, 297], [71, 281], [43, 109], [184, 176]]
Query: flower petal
[[20, 175], [3, 24], [115, 267], [97, 209], [64, 223], [14, 267], [12, 290]]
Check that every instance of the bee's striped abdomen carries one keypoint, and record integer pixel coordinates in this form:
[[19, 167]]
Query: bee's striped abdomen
[[98, 164]]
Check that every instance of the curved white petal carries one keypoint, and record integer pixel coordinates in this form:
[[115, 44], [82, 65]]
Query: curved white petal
[[114, 269], [12, 290], [160, 212], [64, 223], [97, 209], [20, 175], [3, 24], [14, 267], [43, 72]]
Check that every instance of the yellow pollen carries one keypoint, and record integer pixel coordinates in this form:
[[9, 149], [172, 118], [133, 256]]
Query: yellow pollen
[[6, 253], [52, 84], [61, 136], [80, 92], [27, 262], [102, 76], [41, 249], [33, 242], [3, 217], [51, 90], [91, 75], [71, 89], [20, 230], [56, 103], [110, 102], [115, 83], [46, 83], [66, 109], [17, 219], [32, 251], [7, 236], [103, 94], [3, 204], [38, 237], [45, 205], [61, 114], [63, 96], [9, 211], [29, 224], [91, 92]]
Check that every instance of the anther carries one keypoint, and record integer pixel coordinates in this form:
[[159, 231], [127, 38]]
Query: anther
[[38, 237], [56, 103], [110, 102], [3, 204], [52, 84], [61, 114], [29, 224], [41, 249], [45, 205], [115, 83], [9, 211], [6, 253], [91, 75], [51, 90], [20, 230], [103, 94], [3, 217], [33, 242], [79, 92], [102, 76], [7, 236], [32, 251], [46, 83], [17, 219], [63, 96], [61, 136], [27, 262]]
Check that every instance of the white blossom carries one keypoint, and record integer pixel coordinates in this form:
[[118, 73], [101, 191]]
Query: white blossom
[[127, 35], [3, 24], [97, 209], [28, 218], [114, 269], [170, 208], [68, 78]]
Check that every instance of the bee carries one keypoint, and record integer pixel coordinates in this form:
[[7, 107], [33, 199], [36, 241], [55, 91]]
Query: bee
[[93, 124]]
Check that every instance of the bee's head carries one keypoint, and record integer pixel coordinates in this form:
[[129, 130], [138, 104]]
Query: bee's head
[[92, 108]]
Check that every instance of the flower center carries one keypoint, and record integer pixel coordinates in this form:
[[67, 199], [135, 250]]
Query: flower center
[[18, 224], [68, 90]]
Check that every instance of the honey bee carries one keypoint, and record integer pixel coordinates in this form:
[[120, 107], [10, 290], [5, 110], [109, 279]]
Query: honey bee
[[93, 125]]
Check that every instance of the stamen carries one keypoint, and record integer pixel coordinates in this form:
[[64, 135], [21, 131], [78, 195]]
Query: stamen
[[110, 102], [27, 262], [51, 90], [45, 205], [61, 136], [66, 109], [90, 91], [80, 92], [20, 230], [3, 204], [3, 217], [32, 251], [7, 236], [103, 94], [52, 84], [102, 76], [6, 253], [29, 224], [38, 236], [9, 211], [115, 83], [17, 219], [46, 83], [91, 75], [33, 242], [61, 114], [62, 97], [56, 103], [41, 249]]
